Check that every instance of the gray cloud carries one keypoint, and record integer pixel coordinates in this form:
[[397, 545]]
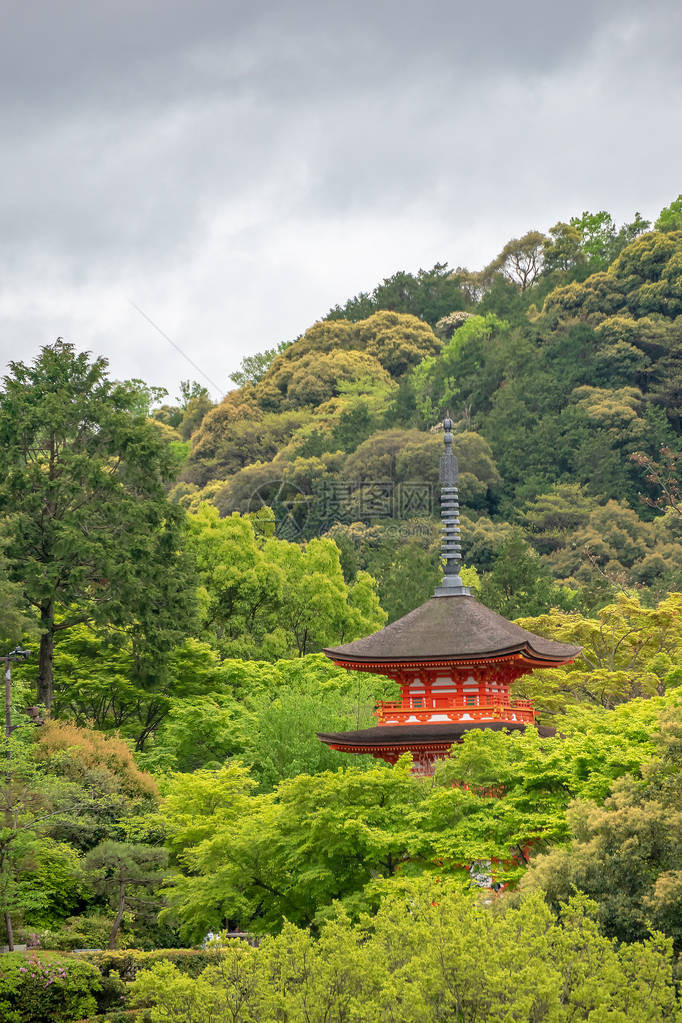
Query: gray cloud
[[237, 168]]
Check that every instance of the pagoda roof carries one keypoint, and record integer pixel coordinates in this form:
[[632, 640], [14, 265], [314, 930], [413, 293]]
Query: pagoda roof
[[413, 736], [447, 629]]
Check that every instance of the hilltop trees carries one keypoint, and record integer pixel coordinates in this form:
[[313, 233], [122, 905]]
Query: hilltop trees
[[520, 261], [85, 517], [670, 217], [342, 350], [429, 294]]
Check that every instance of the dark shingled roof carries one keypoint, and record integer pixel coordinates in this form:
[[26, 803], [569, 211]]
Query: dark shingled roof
[[422, 734], [451, 628]]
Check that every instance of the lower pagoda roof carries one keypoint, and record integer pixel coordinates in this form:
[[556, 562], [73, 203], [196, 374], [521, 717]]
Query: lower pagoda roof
[[449, 629], [411, 737]]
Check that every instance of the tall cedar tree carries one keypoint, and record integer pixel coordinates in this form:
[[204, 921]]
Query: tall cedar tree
[[90, 534]]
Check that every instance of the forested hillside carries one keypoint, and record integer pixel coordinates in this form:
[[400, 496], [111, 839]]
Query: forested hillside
[[175, 570], [561, 364]]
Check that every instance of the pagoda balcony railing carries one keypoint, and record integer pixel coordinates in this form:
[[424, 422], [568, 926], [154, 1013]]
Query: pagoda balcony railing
[[397, 712]]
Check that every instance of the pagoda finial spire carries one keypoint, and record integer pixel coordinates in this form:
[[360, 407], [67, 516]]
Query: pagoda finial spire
[[450, 549]]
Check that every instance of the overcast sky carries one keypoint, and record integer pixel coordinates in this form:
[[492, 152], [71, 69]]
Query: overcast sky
[[236, 168]]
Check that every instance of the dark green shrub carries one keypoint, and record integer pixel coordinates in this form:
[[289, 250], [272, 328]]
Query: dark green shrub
[[121, 1016], [127, 962], [113, 993]]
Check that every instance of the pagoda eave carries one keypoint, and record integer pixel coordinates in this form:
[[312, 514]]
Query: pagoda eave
[[426, 743], [404, 738], [527, 659], [451, 631]]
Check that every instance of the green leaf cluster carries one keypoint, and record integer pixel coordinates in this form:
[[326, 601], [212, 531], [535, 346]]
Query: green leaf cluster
[[428, 955]]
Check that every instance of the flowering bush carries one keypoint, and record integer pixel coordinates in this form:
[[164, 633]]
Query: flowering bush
[[46, 989]]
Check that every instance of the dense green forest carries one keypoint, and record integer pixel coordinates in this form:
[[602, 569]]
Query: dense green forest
[[175, 569]]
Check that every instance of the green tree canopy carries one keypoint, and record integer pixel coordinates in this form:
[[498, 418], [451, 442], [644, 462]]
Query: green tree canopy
[[85, 517], [128, 873], [429, 955], [670, 217], [276, 598], [626, 854]]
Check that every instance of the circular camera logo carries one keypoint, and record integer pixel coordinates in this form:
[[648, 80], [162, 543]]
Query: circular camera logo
[[288, 503]]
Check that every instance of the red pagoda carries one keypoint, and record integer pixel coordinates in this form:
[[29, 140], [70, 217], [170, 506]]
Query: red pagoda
[[453, 658]]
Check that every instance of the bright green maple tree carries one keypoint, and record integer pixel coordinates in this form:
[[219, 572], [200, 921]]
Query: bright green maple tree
[[427, 956], [90, 534], [351, 835], [270, 598], [628, 650]]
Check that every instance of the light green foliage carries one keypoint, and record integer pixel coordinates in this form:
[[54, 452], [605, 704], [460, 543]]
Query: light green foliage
[[276, 598], [197, 805], [599, 240], [398, 341], [438, 380], [101, 681], [237, 433], [178, 422], [592, 748], [334, 352], [336, 835], [553, 518], [292, 852], [562, 250], [29, 803], [280, 725], [195, 403], [628, 651], [520, 261], [641, 280], [254, 367], [603, 545], [429, 955], [319, 376], [626, 853], [268, 715], [588, 243], [64, 790], [199, 731], [318, 608], [100, 780], [240, 588]]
